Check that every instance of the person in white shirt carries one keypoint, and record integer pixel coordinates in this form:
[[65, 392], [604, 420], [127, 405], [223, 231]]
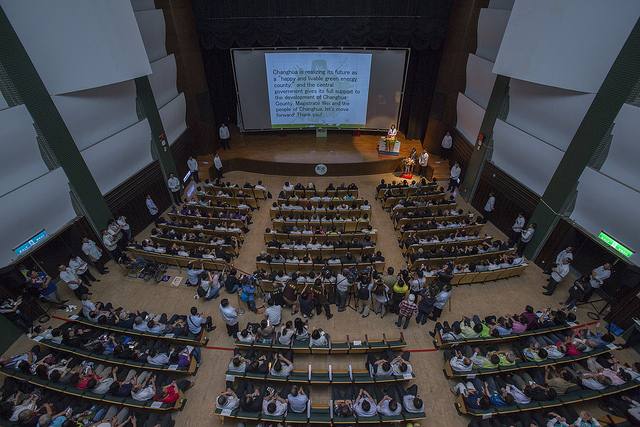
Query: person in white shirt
[[73, 281], [517, 227], [223, 132], [565, 253], [94, 253], [393, 132], [229, 316], [218, 164], [273, 313], [489, 206], [153, 209], [447, 142], [122, 223], [273, 405], [525, 238], [81, 268], [557, 274], [423, 160], [193, 168], [454, 176], [174, 185], [599, 275], [228, 400]]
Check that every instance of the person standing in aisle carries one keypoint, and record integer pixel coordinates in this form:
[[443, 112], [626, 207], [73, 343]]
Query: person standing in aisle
[[153, 209], [217, 162], [423, 160], [454, 178], [447, 142], [224, 136], [490, 206], [175, 186], [516, 228], [193, 168], [94, 253]]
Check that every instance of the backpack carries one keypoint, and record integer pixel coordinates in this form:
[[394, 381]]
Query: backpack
[[363, 292]]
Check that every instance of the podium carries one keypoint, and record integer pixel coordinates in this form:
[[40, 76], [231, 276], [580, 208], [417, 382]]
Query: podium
[[393, 150]]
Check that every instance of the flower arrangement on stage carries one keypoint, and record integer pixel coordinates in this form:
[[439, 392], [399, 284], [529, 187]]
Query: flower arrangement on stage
[[407, 165], [389, 142]]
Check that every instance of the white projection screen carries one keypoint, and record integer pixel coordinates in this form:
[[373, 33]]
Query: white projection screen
[[119, 157], [20, 161], [115, 105], [622, 160], [173, 118], [163, 80], [491, 26], [480, 80], [470, 116], [50, 193], [604, 204], [548, 113], [152, 30], [310, 88], [570, 44], [78, 44], [527, 159]]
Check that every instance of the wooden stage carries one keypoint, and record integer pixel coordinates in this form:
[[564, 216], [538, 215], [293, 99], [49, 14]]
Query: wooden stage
[[300, 151]]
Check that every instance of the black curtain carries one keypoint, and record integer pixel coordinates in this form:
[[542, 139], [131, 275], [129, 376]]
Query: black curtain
[[417, 24]]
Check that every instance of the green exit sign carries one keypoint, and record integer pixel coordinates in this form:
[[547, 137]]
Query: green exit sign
[[615, 244]]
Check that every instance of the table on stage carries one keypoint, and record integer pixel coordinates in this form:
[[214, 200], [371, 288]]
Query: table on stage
[[389, 148]]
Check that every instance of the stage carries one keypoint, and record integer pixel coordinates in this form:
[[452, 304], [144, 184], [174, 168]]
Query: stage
[[299, 152]]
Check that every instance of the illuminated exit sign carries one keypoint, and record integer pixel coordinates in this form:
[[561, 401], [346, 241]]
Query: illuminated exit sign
[[615, 244]]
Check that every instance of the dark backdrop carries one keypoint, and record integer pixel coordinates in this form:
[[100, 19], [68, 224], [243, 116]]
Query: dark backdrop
[[417, 24]]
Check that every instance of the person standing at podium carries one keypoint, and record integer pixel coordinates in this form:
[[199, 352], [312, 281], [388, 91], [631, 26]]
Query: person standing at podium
[[393, 132]]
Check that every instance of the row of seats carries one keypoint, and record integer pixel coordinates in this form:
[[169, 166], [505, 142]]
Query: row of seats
[[325, 252], [405, 190], [411, 249], [400, 222], [70, 389], [523, 364], [203, 220], [324, 376], [225, 234], [347, 225], [231, 201], [257, 193], [321, 212], [329, 205], [464, 259], [440, 343], [313, 192], [162, 241], [320, 238], [305, 268], [469, 229], [434, 202], [109, 359], [573, 395], [321, 414], [178, 261], [188, 339], [347, 346]]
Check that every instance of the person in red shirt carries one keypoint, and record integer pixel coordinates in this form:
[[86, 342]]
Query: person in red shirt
[[169, 393]]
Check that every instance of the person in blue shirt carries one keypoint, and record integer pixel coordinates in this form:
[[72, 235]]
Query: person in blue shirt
[[488, 387], [193, 274], [48, 289], [248, 291]]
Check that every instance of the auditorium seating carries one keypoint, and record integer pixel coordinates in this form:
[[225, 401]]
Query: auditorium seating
[[323, 213], [177, 260], [347, 346], [71, 390]]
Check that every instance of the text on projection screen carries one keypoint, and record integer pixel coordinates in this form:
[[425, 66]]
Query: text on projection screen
[[318, 89]]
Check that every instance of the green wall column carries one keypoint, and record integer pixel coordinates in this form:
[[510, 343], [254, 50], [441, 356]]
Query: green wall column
[[615, 90], [481, 150], [161, 145], [44, 113]]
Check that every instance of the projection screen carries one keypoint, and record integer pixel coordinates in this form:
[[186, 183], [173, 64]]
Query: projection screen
[[311, 88]]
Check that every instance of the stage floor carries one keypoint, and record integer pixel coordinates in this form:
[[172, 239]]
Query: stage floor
[[298, 152], [340, 146]]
